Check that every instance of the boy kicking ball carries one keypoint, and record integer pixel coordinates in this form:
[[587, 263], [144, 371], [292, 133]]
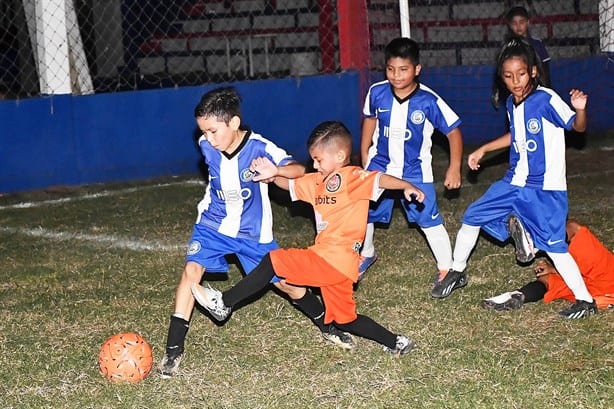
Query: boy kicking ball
[[336, 191]]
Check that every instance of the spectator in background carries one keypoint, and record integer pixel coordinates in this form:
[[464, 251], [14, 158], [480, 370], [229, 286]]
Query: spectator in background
[[517, 18], [518, 23]]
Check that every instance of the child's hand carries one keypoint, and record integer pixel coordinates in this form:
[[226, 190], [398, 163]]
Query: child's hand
[[474, 159], [412, 193], [453, 179], [265, 170], [543, 267], [578, 99]]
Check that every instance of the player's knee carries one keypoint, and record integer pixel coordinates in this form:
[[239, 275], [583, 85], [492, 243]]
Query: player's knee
[[192, 272], [293, 291]]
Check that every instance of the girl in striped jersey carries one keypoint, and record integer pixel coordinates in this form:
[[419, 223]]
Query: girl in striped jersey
[[530, 202]]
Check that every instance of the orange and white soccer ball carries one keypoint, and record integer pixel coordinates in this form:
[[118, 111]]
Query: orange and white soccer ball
[[125, 357]]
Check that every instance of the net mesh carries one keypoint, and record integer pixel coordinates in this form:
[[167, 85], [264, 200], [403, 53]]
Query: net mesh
[[113, 45]]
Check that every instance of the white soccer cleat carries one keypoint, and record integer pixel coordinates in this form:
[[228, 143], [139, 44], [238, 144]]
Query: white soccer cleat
[[211, 300]]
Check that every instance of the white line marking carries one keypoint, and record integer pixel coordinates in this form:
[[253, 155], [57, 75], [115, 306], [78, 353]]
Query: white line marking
[[104, 193], [107, 240]]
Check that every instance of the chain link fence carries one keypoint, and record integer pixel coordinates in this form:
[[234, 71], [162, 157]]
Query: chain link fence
[[116, 45]]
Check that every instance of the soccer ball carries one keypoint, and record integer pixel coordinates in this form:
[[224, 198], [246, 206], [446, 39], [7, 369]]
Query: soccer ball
[[125, 357]]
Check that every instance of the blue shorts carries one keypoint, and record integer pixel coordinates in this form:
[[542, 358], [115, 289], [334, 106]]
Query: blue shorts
[[543, 213], [208, 248], [424, 214]]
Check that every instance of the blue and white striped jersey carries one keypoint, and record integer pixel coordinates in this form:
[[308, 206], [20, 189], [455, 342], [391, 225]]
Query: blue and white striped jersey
[[233, 204], [537, 154], [403, 136]]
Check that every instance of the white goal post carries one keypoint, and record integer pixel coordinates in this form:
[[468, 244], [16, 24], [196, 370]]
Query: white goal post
[[58, 49]]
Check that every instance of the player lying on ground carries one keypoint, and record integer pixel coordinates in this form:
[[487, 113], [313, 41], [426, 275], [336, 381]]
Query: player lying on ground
[[596, 263]]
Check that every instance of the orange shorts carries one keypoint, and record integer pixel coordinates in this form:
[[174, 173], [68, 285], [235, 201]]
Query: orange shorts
[[303, 267]]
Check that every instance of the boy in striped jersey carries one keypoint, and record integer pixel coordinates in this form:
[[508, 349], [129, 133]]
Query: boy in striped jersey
[[400, 116], [234, 216], [530, 203]]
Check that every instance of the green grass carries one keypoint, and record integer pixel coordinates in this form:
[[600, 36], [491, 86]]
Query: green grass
[[62, 296]]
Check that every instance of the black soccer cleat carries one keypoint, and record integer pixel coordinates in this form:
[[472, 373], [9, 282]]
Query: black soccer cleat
[[337, 337], [169, 366], [579, 309], [450, 282]]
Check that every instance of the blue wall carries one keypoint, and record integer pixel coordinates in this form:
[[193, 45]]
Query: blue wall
[[66, 140]]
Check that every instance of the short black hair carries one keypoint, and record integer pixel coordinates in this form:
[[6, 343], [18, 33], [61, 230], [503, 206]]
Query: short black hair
[[403, 47], [222, 103], [517, 11], [329, 131]]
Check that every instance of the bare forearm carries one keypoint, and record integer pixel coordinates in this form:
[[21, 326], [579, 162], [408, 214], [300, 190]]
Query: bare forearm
[[579, 123], [455, 140], [392, 183], [291, 171], [501, 142]]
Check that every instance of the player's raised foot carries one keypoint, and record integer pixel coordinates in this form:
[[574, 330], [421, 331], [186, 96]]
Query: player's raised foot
[[403, 346], [504, 302], [525, 250], [169, 366], [365, 263], [337, 337], [211, 300], [446, 282], [579, 309]]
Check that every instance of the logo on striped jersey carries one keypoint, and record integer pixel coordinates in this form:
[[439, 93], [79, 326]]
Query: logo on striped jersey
[[417, 117], [533, 126], [247, 175]]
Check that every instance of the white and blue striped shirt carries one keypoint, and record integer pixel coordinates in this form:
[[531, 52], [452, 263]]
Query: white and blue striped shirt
[[403, 136], [233, 204], [537, 153]]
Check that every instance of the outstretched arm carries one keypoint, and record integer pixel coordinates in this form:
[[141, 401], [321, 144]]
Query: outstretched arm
[[501, 142], [410, 191], [267, 172]]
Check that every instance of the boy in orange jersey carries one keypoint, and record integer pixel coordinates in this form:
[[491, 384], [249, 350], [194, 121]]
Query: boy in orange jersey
[[596, 264], [340, 195]]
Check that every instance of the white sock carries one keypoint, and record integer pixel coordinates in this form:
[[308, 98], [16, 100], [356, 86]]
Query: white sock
[[368, 248], [439, 241], [568, 269], [466, 238]]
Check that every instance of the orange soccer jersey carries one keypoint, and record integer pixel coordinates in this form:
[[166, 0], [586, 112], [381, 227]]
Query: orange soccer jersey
[[341, 205], [596, 264]]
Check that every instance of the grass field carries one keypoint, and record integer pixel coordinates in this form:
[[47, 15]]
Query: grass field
[[80, 264]]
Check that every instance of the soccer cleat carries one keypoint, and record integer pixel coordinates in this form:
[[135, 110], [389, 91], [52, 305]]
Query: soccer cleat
[[452, 280], [169, 366], [211, 300], [365, 263], [525, 250], [403, 346], [504, 302], [335, 336], [579, 309]]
